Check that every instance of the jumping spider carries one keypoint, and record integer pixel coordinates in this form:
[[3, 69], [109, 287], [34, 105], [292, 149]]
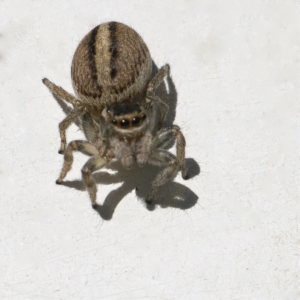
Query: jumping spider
[[116, 103]]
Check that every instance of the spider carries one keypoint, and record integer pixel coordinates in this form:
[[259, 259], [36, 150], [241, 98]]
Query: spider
[[121, 116]]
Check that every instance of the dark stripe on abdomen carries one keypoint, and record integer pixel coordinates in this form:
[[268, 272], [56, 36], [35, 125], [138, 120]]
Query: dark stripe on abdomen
[[92, 61], [113, 49]]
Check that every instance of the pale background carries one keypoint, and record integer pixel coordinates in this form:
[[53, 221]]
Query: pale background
[[231, 232]]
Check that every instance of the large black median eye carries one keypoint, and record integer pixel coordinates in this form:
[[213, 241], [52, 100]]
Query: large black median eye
[[135, 121], [124, 123]]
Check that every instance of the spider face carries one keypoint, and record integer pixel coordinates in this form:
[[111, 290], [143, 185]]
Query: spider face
[[126, 117]]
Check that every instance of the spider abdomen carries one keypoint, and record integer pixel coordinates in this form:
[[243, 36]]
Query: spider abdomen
[[111, 64]]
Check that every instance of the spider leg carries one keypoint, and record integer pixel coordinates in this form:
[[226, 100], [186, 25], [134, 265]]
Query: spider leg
[[61, 93], [82, 146], [71, 117], [93, 164], [162, 139], [158, 78], [162, 158], [64, 124], [163, 108], [150, 95]]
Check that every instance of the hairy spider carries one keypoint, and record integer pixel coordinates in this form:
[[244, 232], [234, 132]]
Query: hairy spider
[[120, 113]]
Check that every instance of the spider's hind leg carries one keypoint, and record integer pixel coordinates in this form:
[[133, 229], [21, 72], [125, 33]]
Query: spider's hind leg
[[151, 88], [61, 93], [71, 117]]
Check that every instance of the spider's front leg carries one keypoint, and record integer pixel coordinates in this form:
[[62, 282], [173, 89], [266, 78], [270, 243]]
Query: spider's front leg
[[82, 146], [163, 138], [64, 124], [162, 157], [93, 164], [150, 95]]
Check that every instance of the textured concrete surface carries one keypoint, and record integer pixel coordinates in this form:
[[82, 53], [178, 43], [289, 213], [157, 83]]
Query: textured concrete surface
[[230, 232]]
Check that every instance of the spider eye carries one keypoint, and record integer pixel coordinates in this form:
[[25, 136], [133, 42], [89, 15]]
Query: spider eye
[[135, 121], [124, 123], [114, 121], [143, 117]]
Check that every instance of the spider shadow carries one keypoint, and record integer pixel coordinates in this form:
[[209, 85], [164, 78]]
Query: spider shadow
[[172, 194]]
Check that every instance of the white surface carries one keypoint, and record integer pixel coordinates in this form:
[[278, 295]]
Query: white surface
[[235, 65]]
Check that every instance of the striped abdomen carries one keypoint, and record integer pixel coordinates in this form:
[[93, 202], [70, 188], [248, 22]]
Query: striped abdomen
[[111, 64]]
